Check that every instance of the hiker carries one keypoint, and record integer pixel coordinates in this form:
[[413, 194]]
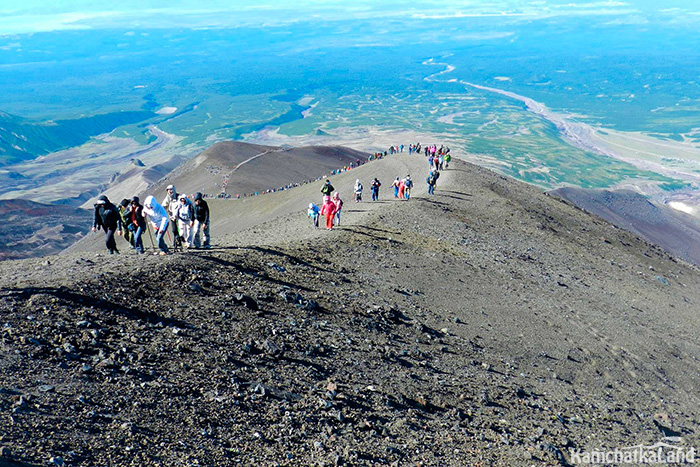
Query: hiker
[[432, 180], [170, 204], [313, 212], [159, 218], [184, 213], [375, 189], [137, 224], [126, 222], [408, 184], [335, 198], [108, 219], [358, 191], [448, 158], [328, 210], [201, 222], [327, 188], [396, 187], [402, 188]]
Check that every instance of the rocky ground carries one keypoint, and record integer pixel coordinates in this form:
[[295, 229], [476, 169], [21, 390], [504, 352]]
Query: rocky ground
[[489, 324]]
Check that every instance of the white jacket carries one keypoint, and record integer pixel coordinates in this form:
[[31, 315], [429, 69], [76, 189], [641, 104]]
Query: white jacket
[[156, 213]]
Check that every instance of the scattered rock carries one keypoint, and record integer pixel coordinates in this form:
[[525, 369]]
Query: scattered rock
[[246, 301]]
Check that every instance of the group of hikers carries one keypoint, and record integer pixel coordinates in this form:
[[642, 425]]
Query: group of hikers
[[187, 219], [331, 206]]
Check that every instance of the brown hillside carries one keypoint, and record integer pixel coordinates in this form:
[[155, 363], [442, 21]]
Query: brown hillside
[[242, 168]]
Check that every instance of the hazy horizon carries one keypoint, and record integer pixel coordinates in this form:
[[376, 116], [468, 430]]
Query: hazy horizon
[[32, 16]]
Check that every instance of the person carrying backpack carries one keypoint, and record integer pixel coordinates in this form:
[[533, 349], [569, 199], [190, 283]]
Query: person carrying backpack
[[407, 183], [358, 191], [108, 219], [375, 189], [126, 222], [327, 188], [432, 180]]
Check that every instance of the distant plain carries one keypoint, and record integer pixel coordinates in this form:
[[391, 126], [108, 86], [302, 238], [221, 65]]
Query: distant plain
[[623, 78]]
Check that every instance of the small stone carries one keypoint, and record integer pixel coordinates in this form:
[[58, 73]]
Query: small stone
[[195, 287], [247, 301], [57, 460], [46, 388], [86, 368], [5, 452]]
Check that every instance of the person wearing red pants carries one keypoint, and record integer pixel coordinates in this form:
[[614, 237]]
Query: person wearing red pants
[[328, 209]]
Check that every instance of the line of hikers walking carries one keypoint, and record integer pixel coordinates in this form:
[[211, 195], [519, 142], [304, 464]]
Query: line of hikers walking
[[438, 159], [186, 218]]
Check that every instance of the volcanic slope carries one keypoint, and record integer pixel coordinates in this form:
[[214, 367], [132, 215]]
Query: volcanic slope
[[676, 231], [489, 324], [242, 168]]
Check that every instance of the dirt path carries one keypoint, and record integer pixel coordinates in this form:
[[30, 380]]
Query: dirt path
[[255, 157], [285, 211]]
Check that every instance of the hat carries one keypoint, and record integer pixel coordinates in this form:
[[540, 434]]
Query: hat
[[135, 200], [197, 196], [170, 187], [311, 205], [124, 203], [326, 198], [183, 196]]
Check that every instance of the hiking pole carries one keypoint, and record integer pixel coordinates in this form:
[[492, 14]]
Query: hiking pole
[[153, 243]]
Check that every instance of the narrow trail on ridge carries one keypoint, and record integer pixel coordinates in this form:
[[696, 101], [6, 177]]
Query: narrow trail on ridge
[[255, 157]]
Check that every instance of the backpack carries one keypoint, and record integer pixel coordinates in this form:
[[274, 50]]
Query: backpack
[[408, 183], [109, 215]]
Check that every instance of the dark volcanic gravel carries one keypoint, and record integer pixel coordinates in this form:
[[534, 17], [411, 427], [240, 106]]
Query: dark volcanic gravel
[[488, 325]]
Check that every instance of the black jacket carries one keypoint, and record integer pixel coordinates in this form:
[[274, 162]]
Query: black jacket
[[201, 212], [107, 217]]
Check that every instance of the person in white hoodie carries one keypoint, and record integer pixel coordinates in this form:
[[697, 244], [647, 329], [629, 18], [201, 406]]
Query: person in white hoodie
[[358, 191], [171, 204], [160, 220], [184, 213]]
